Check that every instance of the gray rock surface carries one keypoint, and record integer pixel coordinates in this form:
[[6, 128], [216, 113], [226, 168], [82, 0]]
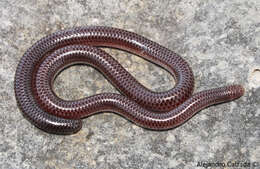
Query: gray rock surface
[[220, 40]]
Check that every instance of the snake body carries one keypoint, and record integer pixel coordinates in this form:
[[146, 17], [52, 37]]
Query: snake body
[[40, 64]]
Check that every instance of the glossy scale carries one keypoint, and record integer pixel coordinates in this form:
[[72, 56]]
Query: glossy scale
[[153, 110]]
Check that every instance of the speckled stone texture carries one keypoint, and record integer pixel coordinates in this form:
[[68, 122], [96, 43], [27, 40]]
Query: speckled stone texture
[[219, 39]]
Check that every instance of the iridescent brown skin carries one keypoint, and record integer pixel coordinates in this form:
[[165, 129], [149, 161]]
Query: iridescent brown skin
[[153, 110]]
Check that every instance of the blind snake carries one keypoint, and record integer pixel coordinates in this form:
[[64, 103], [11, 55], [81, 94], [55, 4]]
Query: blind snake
[[40, 64]]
